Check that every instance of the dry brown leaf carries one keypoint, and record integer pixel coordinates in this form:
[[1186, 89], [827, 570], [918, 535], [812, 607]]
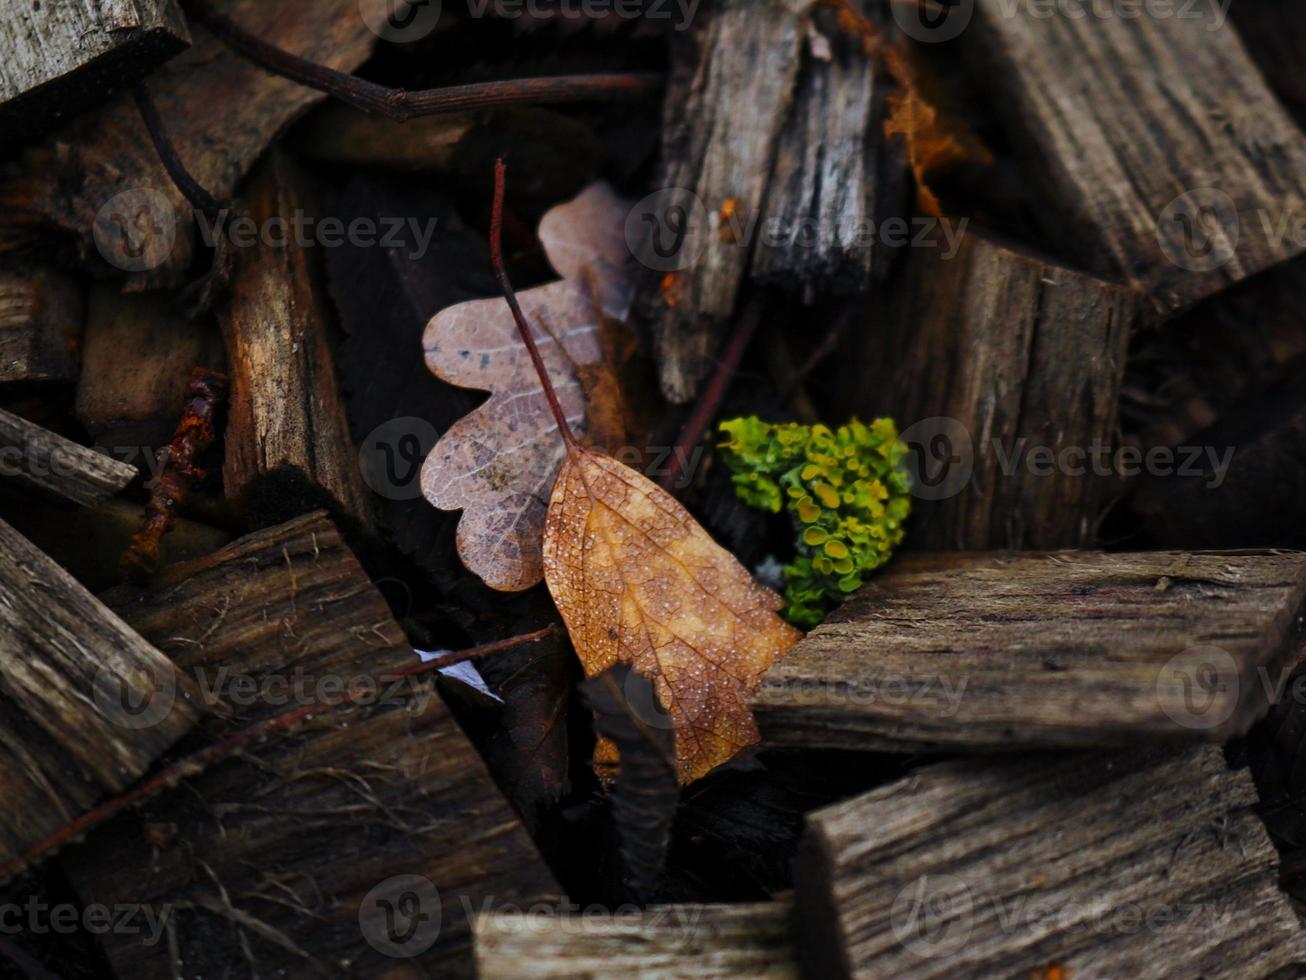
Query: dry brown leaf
[[638, 581], [497, 463]]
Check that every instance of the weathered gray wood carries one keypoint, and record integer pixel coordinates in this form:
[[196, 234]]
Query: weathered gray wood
[[41, 316], [58, 58], [660, 943], [819, 218], [220, 111], [1003, 371], [136, 362], [1126, 112], [288, 444], [978, 652], [1146, 864], [49, 462], [286, 856], [717, 155], [85, 704]]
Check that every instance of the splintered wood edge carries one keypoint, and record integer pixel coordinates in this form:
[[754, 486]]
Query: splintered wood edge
[[660, 943], [800, 701], [50, 462]]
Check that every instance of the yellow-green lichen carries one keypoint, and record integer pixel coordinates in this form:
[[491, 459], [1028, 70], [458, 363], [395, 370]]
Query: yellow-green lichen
[[846, 490]]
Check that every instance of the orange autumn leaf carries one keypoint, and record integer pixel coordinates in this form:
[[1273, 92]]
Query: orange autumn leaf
[[637, 580]]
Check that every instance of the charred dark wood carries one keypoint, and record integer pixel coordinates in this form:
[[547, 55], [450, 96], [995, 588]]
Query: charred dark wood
[[664, 942], [720, 153], [299, 846], [41, 317], [288, 446], [137, 360], [1147, 863], [1172, 167], [47, 461], [977, 652], [1003, 371], [87, 704], [57, 59]]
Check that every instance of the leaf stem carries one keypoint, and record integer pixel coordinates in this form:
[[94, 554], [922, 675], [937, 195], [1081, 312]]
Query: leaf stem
[[401, 104], [501, 273]]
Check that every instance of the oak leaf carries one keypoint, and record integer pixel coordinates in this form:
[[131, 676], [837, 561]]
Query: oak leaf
[[497, 463], [638, 581]]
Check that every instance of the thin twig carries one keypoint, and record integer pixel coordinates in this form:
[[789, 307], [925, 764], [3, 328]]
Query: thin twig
[[197, 762], [501, 273], [401, 104], [709, 403], [199, 198]]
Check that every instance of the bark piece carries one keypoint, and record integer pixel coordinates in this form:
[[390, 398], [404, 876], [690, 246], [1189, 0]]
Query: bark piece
[[993, 362], [1164, 167], [289, 857], [49, 462], [1147, 864], [830, 166], [982, 651], [220, 111], [41, 317], [662, 942], [57, 59], [137, 361], [717, 156], [85, 703], [288, 445]]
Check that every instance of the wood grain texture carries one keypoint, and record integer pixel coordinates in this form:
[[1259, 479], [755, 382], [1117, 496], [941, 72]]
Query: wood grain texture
[[1123, 116], [830, 166], [220, 110], [49, 462], [978, 652], [720, 151], [287, 854], [1146, 864], [57, 59], [137, 359], [86, 704], [287, 441], [661, 943], [1005, 357], [41, 318]]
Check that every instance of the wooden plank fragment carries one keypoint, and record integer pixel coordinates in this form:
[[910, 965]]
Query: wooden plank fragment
[[1003, 371], [49, 462], [659, 943], [297, 849], [830, 164], [72, 182], [41, 316], [977, 652], [85, 704], [1168, 160], [717, 156], [288, 445], [136, 362], [57, 59], [1146, 864]]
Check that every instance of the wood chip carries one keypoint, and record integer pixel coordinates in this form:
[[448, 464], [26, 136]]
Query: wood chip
[[49, 462], [984, 651]]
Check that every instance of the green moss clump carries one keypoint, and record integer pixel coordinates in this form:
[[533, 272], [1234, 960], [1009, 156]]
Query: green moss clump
[[847, 493]]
